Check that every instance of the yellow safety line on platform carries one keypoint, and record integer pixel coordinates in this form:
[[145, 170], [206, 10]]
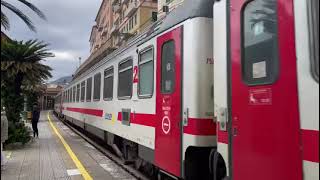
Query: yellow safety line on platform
[[79, 165]]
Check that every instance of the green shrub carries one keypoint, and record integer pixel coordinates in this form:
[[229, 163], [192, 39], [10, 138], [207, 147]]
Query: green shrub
[[18, 132]]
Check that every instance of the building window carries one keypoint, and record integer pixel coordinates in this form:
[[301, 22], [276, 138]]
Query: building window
[[89, 89], [146, 73], [108, 84], [78, 93], [97, 87], [313, 21], [135, 19], [260, 57], [125, 79], [168, 67], [83, 89]]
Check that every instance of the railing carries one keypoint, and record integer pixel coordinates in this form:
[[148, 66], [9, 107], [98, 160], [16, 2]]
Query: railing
[[124, 1], [132, 7], [116, 8], [114, 28], [114, 2]]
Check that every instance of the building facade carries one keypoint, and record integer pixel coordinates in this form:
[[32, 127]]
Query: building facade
[[118, 20], [46, 100], [172, 4]]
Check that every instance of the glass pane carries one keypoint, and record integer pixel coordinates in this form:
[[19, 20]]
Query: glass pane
[[83, 90], [146, 78], [97, 87], [146, 56], [125, 84], [125, 64], [74, 94], [314, 36], [168, 67], [260, 62], [108, 72], [78, 92], [89, 89], [108, 88]]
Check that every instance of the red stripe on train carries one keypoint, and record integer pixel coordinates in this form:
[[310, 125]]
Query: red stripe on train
[[94, 112], [310, 144], [141, 119], [222, 135], [203, 127]]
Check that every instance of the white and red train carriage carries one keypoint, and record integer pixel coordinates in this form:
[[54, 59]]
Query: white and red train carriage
[[266, 92], [152, 99], [266, 80]]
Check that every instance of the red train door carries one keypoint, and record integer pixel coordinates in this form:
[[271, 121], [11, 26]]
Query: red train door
[[265, 118], [168, 99]]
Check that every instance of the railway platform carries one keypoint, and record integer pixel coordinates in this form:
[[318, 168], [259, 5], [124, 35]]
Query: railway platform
[[59, 154]]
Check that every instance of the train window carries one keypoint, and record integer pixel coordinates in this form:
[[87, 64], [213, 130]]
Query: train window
[[313, 21], [125, 79], [260, 57], [97, 87], [108, 84], [71, 94], [89, 89], [83, 89], [168, 67], [78, 93], [74, 94], [146, 73]]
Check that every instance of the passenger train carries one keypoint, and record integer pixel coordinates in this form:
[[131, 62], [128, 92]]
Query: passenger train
[[225, 89]]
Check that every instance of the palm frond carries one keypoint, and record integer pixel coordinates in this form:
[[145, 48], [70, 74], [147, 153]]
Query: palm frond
[[5, 21], [34, 9], [20, 14]]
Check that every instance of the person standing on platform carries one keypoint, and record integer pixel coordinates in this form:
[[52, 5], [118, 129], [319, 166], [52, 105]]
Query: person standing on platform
[[35, 120], [4, 135]]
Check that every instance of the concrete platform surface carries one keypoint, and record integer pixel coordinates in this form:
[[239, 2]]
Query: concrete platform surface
[[46, 158]]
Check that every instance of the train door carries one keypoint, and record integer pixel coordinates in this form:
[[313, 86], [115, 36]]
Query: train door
[[265, 118], [168, 102]]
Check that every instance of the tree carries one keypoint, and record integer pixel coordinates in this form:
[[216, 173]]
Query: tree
[[5, 21], [21, 71]]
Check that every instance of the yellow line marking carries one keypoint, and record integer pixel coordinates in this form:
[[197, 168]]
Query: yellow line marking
[[79, 165]]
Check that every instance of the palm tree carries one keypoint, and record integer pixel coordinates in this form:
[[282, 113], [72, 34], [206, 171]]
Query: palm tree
[[5, 21], [21, 68]]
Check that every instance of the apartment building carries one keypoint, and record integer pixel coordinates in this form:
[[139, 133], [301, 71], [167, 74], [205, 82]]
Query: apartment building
[[116, 22], [171, 4]]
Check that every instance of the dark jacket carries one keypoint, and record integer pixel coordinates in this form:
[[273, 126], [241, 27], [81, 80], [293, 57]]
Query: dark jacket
[[35, 116]]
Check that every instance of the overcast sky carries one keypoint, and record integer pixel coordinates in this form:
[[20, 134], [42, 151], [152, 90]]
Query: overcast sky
[[67, 30]]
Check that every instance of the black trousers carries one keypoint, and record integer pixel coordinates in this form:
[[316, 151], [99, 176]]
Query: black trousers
[[35, 129]]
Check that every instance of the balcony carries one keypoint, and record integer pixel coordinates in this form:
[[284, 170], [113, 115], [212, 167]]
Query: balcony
[[116, 8], [114, 29], [132, 7], [100, 28], [125, 36], [105, 31], [124, 1], [115, 2]]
